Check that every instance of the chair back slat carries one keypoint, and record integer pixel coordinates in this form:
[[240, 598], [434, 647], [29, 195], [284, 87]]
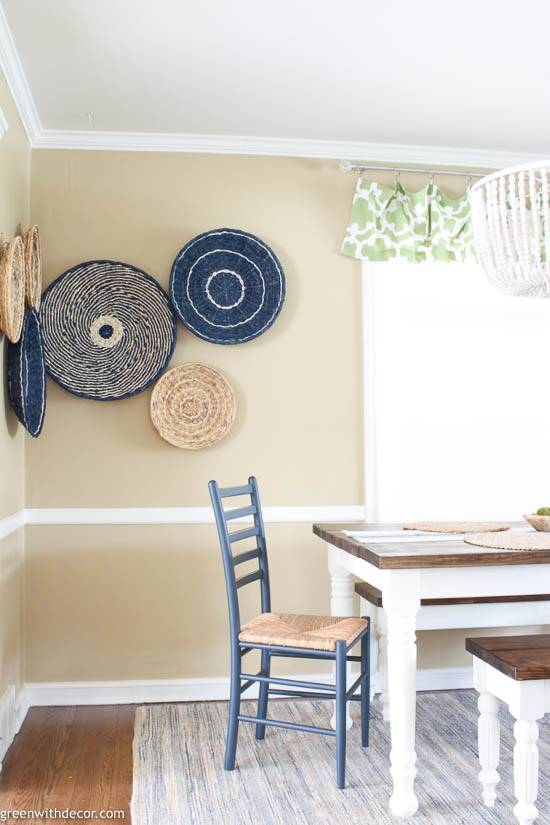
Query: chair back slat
[[243, 490], [249, 578], [247, 533], [227, 540], [240, 512], [248, 555]]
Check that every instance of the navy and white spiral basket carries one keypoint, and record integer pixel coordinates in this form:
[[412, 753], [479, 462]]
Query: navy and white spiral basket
[[227, 286], [109, 330], [27, 375]]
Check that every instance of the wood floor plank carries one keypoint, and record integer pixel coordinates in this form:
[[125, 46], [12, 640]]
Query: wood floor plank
[[77, 758]]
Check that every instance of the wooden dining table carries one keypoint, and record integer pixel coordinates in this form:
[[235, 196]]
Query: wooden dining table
[[406, 573]]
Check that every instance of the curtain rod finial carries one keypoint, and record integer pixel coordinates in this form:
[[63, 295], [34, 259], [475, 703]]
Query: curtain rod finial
[[346, 166]]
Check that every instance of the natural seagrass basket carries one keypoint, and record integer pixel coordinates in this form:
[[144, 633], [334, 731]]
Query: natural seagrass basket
[[12, 289], [193, 406], [33, 267]]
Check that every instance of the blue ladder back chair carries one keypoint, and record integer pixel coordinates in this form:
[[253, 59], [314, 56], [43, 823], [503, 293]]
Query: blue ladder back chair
[[283, 635]]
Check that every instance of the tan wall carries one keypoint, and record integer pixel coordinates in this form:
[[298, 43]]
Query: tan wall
[[133, 602], [14, 214], [148, 602], [298, 385]]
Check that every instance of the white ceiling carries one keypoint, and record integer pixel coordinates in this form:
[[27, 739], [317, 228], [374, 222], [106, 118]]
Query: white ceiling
[[471, 74]]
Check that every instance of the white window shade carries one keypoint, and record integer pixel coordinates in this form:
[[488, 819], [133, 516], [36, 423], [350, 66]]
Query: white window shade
[[458, 387]]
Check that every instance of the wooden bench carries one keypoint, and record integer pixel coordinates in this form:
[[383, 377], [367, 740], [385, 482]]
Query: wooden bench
[[447, 614], [516, 670]]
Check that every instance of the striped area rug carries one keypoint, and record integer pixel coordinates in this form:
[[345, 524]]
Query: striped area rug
[[289, 778]]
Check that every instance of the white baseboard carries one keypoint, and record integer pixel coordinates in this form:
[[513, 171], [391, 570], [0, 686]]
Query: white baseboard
[[37, 694], [13, 710]]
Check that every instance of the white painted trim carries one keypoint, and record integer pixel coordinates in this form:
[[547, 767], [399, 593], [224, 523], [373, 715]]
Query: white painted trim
[[171, 515], [186, 515], [12, 713], [9, 524], [196, 690], [370, 455], [384, 153], [17, 82]]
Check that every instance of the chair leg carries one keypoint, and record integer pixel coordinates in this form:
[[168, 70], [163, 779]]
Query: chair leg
[[264, 693], [365, 688], [234, 710], [341, 705]]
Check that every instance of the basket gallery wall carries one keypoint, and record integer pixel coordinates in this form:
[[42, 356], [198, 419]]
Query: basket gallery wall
[[109, 330]]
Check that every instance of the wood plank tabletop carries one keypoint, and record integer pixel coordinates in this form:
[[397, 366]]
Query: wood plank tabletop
[[520, 657], [453, 553]]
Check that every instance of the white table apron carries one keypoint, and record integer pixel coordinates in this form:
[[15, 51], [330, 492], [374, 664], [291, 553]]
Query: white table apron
[[402, 589]]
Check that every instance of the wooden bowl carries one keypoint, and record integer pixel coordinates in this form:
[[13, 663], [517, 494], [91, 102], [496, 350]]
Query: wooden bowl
[[541, 523]]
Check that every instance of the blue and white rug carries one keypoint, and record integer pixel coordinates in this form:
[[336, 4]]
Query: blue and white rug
[[289, 778]]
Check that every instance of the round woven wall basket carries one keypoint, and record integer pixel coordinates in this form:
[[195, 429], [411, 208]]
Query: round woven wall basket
[[33, 267], [12, 289], [109, 330], [193, 406], [227, 286], [27, 375]]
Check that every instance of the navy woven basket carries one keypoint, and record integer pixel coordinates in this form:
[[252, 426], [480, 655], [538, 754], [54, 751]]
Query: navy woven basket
[[109, 330], [227, 286], [27, 375]]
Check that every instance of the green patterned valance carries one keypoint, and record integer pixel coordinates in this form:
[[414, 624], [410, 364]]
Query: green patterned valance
[[390, 224]]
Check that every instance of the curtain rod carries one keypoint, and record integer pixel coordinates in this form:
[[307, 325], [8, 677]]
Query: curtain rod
[[348, 166]]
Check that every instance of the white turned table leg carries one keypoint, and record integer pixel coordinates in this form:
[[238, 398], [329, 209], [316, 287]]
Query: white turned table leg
[[402, 601], [488, 731], [526, 770], [383, 664], [341, 604]]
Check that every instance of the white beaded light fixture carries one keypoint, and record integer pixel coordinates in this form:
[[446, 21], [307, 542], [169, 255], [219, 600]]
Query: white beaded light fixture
[[511, 225]]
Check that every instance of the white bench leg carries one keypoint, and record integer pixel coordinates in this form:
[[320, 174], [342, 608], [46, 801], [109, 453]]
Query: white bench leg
[[526, 770], [488, 733], [383, 664]]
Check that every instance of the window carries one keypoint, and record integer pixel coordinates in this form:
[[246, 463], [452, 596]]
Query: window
[[457, 422]]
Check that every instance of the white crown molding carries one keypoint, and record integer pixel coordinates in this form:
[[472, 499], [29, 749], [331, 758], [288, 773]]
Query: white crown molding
[[171, 515], [17, 81], [386, 153]]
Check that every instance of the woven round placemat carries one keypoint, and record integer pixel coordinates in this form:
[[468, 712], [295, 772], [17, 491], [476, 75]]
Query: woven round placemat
[[511, 540], [109, 330], [12, 289], [193, 406], [227, 286], [33, 267], [456, 526], [27, 375]]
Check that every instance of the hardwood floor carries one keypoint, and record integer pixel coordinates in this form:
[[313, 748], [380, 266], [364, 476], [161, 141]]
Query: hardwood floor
[[78, 758]]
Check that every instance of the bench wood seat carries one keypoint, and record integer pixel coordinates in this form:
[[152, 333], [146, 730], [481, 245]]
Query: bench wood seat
[[519, 657], [374, 596]]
